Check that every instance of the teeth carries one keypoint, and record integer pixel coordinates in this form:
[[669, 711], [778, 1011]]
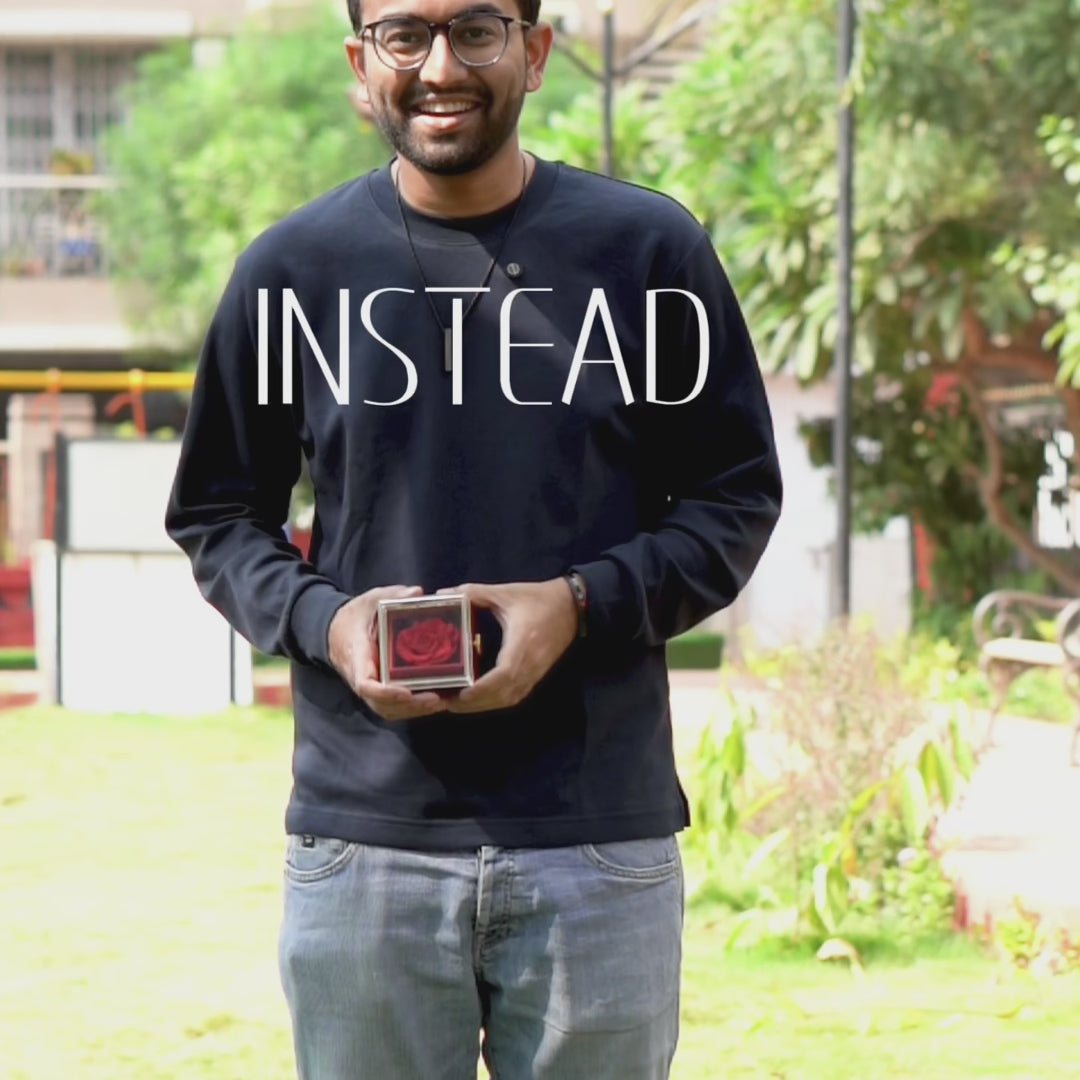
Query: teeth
[[443, 108]]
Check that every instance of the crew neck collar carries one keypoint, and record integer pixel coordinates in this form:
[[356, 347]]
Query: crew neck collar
[[384, 195]]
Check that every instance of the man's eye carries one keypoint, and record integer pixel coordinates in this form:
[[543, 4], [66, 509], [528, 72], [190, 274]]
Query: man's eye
[[403, 37], [477, 35]]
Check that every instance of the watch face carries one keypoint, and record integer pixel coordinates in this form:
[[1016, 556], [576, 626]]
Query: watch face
[[426, 642]]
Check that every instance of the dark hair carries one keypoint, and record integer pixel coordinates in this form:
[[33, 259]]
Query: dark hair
[[530, 12]]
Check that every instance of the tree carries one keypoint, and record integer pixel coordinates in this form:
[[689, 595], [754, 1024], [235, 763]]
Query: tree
[[950, 98], [915, 438], [212, 155], [1054, 275]]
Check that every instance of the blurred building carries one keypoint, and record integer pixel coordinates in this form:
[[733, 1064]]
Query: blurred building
[[64, 65]]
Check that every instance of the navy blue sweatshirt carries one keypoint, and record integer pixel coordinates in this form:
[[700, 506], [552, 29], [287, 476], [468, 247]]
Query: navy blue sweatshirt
[[544, 454]]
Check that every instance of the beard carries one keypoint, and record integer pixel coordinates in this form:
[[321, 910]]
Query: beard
[[455, 152]]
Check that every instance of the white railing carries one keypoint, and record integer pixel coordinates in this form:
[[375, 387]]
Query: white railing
[[48, 227]]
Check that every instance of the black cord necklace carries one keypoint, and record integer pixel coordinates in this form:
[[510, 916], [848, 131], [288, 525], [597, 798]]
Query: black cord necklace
[[447, 331]]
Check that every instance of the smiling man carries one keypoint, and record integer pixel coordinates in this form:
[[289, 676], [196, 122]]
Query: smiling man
[[494, 867]]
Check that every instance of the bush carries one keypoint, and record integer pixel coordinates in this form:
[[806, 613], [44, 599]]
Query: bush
[[697, 649], [827, 794], [17, 659], [841, 710]]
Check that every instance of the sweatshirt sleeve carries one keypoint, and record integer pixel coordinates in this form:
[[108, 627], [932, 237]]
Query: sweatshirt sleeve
[[230, 498], [714, 465]]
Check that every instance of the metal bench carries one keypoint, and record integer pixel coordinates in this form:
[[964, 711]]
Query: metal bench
[[1006, 631]]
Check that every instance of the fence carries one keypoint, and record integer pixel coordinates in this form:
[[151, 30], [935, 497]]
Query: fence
[[48, 227]]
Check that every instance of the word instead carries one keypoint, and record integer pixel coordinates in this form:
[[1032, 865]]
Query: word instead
[[597, 308]]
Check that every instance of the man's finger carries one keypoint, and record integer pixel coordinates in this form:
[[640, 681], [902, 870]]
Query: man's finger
[[374, 691], [498, 689], [396, 702], [392, 592]]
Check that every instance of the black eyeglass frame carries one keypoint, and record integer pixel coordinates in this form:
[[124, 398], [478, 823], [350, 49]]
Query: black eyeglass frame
[[434, 28]]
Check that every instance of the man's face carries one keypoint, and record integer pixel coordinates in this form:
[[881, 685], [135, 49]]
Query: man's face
[[445, 117]]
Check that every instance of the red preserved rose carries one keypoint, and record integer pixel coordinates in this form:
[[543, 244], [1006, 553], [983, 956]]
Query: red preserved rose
[[428, 641]]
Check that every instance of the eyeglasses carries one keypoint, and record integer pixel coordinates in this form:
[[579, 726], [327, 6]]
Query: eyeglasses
[[476, 40]]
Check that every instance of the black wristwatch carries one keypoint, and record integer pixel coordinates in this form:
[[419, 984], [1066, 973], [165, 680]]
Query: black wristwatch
[[577, 588]]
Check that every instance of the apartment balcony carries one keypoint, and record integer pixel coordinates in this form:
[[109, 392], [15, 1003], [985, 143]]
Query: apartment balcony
[[56, 301], [48, 227]]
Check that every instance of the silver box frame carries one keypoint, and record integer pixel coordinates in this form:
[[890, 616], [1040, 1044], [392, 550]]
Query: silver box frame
[[427, 682]]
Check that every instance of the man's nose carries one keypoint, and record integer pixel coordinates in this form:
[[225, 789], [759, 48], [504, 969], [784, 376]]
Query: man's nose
[[441, 65]]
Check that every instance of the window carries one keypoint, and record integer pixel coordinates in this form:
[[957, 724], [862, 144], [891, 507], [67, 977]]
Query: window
[[59, 99], [99, 80], [28, 97]]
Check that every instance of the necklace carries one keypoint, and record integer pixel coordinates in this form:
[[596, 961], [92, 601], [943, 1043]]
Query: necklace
[[447, 331]]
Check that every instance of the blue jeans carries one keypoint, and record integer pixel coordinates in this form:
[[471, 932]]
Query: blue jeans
[[565, 959]]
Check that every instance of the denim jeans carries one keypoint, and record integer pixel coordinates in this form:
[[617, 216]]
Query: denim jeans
[[564, 960]]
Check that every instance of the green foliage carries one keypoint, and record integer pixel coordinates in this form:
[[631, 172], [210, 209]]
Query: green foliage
[[948, 166], [696, 649], [916, 899], [1041, 694], [214, 155], [837, 779], [941, 664], [573, 134], [950, 101], [943, 632], [1053, 273], [17, 659], [721, 765], [563, 84], [1036, 944], [178, 914], [915, 443]]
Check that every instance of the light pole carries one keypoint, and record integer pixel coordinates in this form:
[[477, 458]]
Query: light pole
[[845, 159], [607, 75], [609, 71]]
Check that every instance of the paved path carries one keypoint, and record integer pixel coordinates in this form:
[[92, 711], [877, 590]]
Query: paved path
[[1016, 833]]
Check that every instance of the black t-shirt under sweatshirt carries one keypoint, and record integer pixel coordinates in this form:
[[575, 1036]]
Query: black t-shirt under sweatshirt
[[544, 453]]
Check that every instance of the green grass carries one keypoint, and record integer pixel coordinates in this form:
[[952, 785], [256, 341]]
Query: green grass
[[140, 872], [941, 1017], [1040, 694], [15, 658]]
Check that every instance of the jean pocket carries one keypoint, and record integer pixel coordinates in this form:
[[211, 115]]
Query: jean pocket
[[312, 858], [650, 860]]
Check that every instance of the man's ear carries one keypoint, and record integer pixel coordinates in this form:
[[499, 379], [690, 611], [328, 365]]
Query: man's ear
[[538, 42], [354, 50]]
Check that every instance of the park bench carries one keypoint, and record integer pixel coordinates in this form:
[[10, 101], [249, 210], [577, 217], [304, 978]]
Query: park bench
[[1009, 632]]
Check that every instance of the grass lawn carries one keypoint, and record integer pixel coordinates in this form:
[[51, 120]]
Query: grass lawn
[[140, 869]]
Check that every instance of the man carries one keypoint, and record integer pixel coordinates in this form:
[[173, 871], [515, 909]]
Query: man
[[499, 860]]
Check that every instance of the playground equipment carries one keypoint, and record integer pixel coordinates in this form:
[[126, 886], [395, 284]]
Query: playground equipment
[[129, 388]]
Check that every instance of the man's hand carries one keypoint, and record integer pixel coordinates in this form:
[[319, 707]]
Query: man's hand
[[353, 649], [538, 620]]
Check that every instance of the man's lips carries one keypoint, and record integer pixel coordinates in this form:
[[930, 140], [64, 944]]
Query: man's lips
[[445, 107], [445, 114]]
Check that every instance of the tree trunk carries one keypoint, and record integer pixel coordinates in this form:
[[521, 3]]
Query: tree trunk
[[1027, 358]]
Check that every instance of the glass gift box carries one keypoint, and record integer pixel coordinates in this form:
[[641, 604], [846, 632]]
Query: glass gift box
[[427, 642]]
